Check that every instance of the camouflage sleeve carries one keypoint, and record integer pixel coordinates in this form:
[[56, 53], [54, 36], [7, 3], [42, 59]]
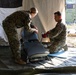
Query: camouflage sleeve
[[56, 31], [28, 23]]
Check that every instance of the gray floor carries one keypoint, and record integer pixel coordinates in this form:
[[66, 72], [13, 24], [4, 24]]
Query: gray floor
[[56, 64]]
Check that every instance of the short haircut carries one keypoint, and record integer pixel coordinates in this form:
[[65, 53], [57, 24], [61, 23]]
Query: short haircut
[[58, 13], [33, 10]]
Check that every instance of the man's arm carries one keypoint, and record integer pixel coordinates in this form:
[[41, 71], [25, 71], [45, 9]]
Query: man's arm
[[56, 31], [29, 26]]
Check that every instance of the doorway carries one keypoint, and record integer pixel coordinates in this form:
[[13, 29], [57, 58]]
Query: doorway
[[70, 18]]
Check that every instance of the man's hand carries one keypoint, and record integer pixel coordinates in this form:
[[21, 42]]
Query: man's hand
[[45, 34], [36, 31], [34, 28]]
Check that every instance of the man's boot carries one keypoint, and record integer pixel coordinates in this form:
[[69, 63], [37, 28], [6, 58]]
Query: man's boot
[[65, 47]]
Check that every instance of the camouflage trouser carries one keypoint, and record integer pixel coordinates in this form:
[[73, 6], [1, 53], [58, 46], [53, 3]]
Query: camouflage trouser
[[56, 46], [12, 36]]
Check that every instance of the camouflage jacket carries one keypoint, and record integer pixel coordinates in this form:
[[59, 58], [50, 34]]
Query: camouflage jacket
[[19, 19], [58, 33]]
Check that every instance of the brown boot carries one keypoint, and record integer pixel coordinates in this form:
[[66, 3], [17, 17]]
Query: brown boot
[[20, 61]]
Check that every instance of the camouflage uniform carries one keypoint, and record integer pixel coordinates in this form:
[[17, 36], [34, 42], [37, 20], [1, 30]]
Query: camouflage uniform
[[16, 20], [57, 37]]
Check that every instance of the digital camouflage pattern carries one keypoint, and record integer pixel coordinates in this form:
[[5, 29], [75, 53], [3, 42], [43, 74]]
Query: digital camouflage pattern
[[57, 37], [16, 20]]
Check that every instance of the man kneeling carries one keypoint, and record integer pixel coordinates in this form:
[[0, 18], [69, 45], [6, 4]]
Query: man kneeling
[[57, 35]]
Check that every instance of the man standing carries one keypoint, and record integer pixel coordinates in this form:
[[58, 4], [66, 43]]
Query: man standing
[[16, 20], [57, 35]]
